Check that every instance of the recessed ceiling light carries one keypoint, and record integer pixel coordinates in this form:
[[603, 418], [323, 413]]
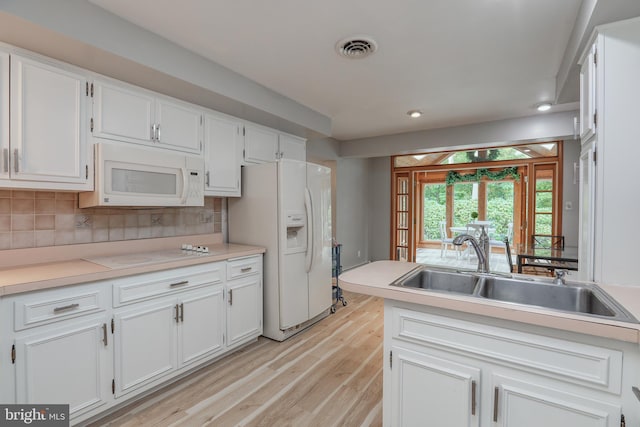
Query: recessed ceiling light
[[414, 114], [545, 106]]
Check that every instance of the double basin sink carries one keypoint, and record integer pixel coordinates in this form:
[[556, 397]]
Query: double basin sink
[[580, 298]]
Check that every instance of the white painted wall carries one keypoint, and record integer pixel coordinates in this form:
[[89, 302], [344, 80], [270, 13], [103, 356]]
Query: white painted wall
[[539, 127]]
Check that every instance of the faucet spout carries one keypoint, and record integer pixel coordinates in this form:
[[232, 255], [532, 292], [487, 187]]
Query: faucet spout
[[483, 260]]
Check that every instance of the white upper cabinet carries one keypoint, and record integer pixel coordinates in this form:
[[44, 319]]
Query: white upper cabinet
[[260, 144], [609, 208], [267, 145], [223, 155], [4, 115], [127, 113], [292, 147], [46, 147], [588, 119]]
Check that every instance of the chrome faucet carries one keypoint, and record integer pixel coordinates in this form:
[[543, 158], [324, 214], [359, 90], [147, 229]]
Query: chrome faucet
[[560, 277], [481, 250]]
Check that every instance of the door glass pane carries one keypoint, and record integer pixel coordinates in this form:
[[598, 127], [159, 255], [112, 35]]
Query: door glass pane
[[465, 201], [543, 224], [500, 197], [543, 201], [435, 210], [402, 218]]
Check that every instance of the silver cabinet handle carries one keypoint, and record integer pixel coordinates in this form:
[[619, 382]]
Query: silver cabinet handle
[[65, 308], [16, 167], [158, 133], [182, 283], [182, 312], [230, 296], [473, 397], [177, 307], [207, 176], [153, 132], [496, 395], [5, 159], [104, 334], [245, 269]]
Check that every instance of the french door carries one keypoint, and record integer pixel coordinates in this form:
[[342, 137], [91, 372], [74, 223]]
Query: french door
[[403, 244]]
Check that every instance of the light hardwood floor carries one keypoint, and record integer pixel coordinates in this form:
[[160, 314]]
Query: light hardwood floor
[[329, 375]]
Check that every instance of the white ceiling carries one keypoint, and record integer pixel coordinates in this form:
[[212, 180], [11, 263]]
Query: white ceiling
[[459, 61]]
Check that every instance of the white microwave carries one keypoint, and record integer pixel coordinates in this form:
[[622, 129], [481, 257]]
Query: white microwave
[[138, 176]]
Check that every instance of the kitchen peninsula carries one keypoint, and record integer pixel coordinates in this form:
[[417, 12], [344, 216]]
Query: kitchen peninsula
[[466, 361]]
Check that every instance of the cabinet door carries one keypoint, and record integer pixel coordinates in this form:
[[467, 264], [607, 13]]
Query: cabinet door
[[525, 404], [4, 115], [292, 148], [145, 345], [244, 309], [260, 145], [201, 326], [65, 366], [222, 155], [586, 237], [451, 399], [179, 126], [122, 113], [48, 123], [588, 95]]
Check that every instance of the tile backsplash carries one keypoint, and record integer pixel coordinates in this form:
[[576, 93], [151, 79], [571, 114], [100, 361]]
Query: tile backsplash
[[30, 219]]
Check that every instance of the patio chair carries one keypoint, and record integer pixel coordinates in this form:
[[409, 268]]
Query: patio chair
[[546, 241], [445, 241], [507, 251], [501, 243]]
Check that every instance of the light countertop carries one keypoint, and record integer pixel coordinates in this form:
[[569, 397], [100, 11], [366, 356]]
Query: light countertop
[[75, 264], [375, 279]]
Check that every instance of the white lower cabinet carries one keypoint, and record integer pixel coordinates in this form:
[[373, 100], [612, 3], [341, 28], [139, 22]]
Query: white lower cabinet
[[201, 326], [244, 299], [450, 400], [244, 311], [145, 345], [94, 346], [155, 339], [529, 404], [66, 365], [445, 371]]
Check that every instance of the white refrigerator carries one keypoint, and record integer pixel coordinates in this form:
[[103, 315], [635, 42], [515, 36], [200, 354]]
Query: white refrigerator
[[286, 208]]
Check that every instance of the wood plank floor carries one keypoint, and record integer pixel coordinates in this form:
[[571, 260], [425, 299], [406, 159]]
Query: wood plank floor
[[329, 375]]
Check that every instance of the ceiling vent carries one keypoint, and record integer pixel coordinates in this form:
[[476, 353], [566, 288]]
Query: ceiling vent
[[356, 47]]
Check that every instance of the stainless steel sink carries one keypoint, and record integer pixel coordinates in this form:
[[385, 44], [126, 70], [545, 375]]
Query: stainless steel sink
[[579, 298], [445, 281]]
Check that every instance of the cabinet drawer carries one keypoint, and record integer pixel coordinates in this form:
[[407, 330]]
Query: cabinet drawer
[[241, 267], [588, 365], [45, 307], [143, 287]]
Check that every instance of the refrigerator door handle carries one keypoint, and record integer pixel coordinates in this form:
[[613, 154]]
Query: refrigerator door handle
[[308, 207]]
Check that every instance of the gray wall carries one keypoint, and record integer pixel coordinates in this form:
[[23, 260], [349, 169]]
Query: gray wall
[[80, 33], [379, 207], [352, 218]]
